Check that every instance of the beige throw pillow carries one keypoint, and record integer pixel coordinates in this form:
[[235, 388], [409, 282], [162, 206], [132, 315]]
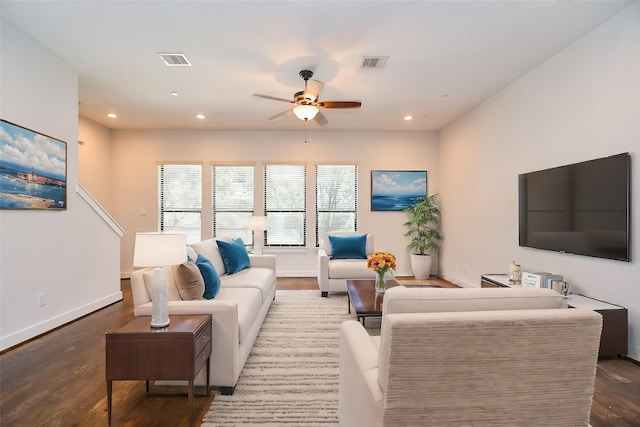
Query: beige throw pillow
[[189, 281]]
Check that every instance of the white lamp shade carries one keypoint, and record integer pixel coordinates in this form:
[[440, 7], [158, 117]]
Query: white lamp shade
[[159, 249], [258, 223], [305, 112]]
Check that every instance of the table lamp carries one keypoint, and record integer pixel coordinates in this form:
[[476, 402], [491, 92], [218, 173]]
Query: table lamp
[[159, 250], [258, 223]]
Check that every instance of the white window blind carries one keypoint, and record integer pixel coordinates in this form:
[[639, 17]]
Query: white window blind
[[285, 204], [180, 199], [336, 199], [232, 188]]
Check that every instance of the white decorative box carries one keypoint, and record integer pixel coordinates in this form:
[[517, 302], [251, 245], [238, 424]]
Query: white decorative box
[[539, 280]]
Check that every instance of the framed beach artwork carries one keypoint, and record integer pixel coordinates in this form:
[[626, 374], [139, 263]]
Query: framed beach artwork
[[33, 169], [397, 190]]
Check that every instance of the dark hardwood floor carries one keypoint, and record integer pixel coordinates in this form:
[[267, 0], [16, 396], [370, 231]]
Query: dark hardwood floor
[[58, 379]]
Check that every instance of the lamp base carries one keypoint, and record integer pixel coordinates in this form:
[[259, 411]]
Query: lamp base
[[160, 303], [160, 325]]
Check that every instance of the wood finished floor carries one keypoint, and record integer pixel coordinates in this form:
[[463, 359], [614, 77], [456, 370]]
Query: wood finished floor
[[59, 380]]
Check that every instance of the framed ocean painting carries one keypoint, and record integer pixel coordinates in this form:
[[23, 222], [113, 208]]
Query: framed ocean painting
[[33, 169], [397, 190]]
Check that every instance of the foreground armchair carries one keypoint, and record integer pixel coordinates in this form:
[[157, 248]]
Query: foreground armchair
[[514, 367]]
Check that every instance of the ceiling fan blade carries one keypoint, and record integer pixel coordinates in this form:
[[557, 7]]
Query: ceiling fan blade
[[340, 104], [275, 98], [281, 116], [320, 119], [314, 87]]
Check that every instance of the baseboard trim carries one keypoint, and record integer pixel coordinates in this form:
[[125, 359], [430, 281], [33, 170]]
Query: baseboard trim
[[34, 331], [457, 281]]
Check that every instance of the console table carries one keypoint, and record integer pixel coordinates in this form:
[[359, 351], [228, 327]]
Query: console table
[[613, 341], [177, 352]]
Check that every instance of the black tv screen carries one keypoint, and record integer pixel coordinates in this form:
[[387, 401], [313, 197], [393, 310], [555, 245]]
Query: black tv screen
[[582, 208]]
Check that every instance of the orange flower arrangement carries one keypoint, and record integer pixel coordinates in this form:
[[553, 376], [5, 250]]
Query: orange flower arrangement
[[381, 262]]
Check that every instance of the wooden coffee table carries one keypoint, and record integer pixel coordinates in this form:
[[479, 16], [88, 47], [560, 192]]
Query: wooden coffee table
[[365, 300]]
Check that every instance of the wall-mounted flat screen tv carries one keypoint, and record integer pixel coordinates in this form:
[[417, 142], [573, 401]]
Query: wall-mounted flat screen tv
[[582, 208]]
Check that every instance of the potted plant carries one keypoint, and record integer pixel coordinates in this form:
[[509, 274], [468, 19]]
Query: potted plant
[[422, 227]]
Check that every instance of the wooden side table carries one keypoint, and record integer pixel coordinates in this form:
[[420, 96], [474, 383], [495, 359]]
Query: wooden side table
[[178, 352]]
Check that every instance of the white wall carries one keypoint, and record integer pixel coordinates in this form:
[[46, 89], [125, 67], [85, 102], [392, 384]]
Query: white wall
[[71, 256], [581, 104], [94, 160], [136, 154]]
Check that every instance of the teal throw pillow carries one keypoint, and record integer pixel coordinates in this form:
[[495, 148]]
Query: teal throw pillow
[[210, 276], [348, 247], [234, 255]]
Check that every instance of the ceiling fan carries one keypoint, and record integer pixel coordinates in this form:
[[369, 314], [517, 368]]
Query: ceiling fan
[[307, 103]]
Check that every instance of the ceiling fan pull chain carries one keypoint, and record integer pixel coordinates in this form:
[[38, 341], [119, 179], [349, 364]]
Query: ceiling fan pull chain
[[305, 130]]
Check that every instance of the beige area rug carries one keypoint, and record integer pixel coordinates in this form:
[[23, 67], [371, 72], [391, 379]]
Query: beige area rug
[[291, 375]]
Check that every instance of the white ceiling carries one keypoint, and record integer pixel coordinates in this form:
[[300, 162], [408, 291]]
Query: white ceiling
[[445, 57]]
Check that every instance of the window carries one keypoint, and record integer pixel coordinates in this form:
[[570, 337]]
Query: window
[[180, 199], [285, 204], [336, 199], [232, 197]]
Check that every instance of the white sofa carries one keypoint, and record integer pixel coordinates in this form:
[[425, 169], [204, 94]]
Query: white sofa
[[334, 273], [470, 357], [238, 309]]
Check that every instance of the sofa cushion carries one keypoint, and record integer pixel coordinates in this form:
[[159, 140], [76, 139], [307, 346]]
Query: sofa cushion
[[234, 255], [189, 280], [256, 277], [350, 269], [249, 303], [209, 248], [191, 253], [348, 247], [173, 294], [401, 299], [210, 277]]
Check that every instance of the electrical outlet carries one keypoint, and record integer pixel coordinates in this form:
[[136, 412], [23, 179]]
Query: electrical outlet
[[42, 300], [466, 269]]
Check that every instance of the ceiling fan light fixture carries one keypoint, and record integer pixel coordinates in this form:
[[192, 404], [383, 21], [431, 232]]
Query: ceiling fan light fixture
[[305, 112]]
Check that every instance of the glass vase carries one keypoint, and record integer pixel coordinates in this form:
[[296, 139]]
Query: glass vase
[[381, 283]]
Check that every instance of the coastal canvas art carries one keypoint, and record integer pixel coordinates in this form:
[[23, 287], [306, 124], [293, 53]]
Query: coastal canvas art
[[33, 169], [397, 190]]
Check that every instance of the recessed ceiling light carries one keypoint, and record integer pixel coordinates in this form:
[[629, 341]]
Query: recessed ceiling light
[[174, 93], [200, 116], [407, 118], [111, 115]]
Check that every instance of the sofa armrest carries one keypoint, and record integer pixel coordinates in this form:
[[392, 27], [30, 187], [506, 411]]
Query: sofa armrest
[[266, 261], [225, 332], [360, 401], [323, 271]]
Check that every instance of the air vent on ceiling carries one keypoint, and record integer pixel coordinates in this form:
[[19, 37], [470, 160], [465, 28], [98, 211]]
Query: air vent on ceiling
[[175, 59], [374, 61]]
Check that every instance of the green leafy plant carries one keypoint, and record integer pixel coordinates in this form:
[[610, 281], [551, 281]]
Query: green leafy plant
[[422, 225]]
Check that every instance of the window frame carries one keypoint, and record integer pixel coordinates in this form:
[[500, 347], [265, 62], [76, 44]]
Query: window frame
[[319, 211], [162, 210], [302, 211], [248, 236]]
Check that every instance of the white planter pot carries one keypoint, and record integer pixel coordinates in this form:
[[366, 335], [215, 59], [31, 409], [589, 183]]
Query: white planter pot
[[421, 266]]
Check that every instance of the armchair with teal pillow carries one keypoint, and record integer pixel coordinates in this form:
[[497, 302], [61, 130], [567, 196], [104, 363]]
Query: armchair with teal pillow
[[343, 256]]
